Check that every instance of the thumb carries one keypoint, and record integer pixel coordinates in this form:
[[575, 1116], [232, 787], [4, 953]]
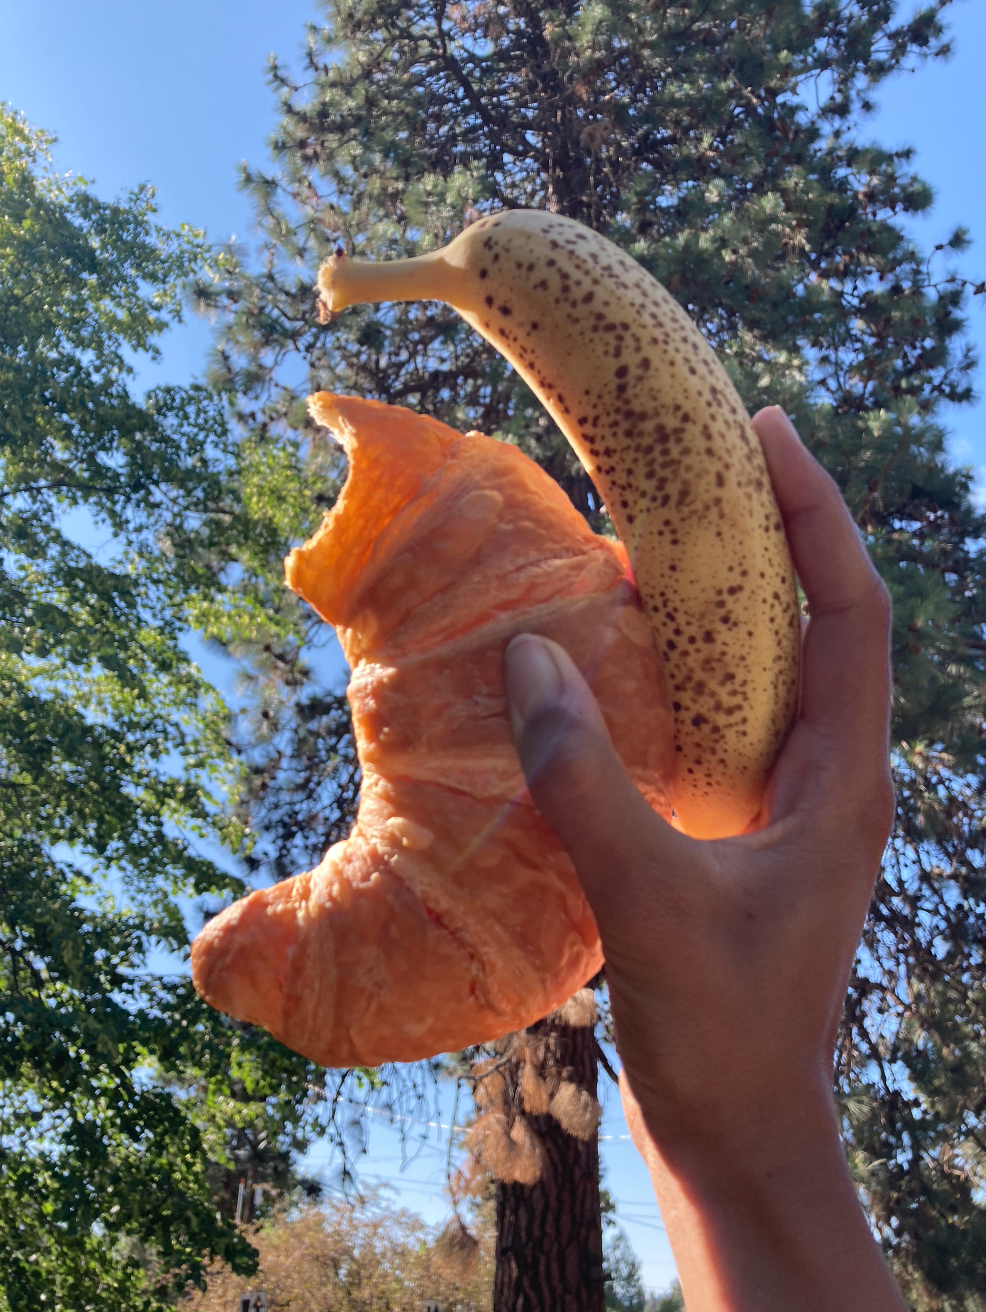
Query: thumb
[[572, 770]]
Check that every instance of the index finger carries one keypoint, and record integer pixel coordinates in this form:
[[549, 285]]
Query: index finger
[[845, 680]]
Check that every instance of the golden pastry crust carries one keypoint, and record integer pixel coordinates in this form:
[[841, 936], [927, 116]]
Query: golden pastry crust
[[451, 914]]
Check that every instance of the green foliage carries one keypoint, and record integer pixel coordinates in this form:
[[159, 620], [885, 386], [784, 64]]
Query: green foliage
[[672, 1301], [724, 145], [624, 1292], [115, 517]]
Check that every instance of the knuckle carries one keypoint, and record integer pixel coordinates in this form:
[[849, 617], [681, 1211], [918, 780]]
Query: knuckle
[[874, 806], [881, 600], [872, 602], [885, 802]]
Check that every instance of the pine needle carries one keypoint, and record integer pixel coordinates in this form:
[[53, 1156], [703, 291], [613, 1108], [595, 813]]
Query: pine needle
[[488, 1140], [456, 1251], [511, 1153], [576, 1110], [533, 1091], [469, 1181], [579, 1010], [526, 1161], [490, 1091]]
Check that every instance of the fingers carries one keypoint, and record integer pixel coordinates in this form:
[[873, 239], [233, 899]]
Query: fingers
[[846, 658], [574, 775], [639, 1133]]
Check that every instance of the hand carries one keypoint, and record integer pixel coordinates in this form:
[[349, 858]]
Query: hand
[[727, 961]]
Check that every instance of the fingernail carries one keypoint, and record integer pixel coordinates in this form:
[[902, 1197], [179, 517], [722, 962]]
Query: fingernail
[[532, 680]]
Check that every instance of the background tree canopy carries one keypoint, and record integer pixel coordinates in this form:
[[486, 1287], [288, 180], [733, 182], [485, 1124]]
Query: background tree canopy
[[123, 1100], [724, 146]]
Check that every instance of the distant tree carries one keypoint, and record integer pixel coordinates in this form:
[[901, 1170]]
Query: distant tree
[[671, 1301], [361, 1256], [624, 1292], [724, 145]]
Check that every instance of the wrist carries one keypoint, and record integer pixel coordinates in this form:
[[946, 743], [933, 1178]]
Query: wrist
[[762, 1213], [728, 1125], [746, 1140], [757, 1162]]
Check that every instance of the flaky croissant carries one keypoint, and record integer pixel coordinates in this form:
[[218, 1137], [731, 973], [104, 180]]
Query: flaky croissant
[[451, 914]]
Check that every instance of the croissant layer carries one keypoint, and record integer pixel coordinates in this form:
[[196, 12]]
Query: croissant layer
[[451, 914]]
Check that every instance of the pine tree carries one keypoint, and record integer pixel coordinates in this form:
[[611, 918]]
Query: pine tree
[[724, 146], [536, 1135]]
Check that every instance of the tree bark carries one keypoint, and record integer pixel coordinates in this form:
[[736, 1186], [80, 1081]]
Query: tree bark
[[549, 1251]]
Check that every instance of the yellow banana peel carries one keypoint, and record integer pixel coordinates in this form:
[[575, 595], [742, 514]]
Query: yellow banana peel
[[661, 431]]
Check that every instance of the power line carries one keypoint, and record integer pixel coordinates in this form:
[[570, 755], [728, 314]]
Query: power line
[[397, 1117], [436, 1189], [647, 1225]]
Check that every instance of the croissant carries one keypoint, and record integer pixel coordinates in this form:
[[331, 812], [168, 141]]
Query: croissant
[[451, 915]]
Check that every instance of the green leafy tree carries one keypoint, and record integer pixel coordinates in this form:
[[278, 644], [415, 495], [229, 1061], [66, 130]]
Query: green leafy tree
[[123, 1100], [724, 145], [624, 1292], [671, 1301]]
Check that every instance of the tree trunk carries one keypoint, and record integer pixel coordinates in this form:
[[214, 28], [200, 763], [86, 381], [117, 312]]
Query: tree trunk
[[549, 1250]]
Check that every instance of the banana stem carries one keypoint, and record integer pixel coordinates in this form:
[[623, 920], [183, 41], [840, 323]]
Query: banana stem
[[343, 282]]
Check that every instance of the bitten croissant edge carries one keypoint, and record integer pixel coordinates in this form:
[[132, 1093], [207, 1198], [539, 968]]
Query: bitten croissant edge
[[451, 914], [660, 429]]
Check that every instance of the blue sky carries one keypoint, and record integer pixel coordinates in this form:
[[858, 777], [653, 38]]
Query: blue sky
[[176, 94]]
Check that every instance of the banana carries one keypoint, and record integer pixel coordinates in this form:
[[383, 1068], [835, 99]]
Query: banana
[[661, 431]]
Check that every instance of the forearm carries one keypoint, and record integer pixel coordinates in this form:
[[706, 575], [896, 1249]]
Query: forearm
[[770, 1222]]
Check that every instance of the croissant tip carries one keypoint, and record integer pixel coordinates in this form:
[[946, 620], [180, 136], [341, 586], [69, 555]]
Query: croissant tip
[[324, 411]]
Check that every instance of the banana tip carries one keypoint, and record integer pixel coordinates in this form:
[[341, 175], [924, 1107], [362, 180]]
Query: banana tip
[[328, 310]]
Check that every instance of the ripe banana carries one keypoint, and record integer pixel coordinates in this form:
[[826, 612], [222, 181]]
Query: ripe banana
[[659, 427]]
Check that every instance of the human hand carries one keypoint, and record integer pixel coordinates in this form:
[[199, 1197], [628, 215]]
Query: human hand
[[727, 961]]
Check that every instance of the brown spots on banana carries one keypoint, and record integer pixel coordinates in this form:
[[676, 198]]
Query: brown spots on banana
[[662, 433]]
